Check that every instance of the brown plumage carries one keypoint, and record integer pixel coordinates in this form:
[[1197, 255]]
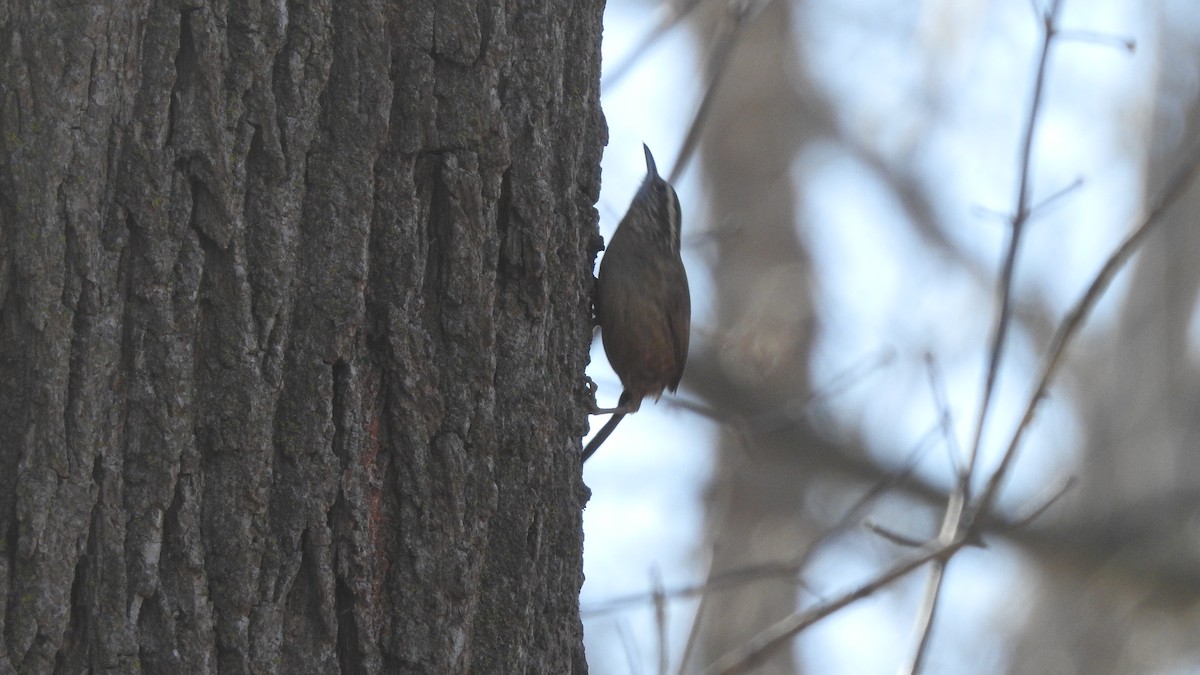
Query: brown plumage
[[642, 300]]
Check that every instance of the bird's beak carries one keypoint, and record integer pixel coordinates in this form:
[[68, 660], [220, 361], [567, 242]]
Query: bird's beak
[[650, 166]]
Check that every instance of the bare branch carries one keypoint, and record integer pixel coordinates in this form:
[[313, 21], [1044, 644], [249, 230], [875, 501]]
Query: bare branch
[[956, 506], [923, 626], [740, 14], [1019, 218], [780, 634], [1079, 313]]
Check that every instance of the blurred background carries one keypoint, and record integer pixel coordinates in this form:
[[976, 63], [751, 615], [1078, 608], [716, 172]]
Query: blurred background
[[845, 217]]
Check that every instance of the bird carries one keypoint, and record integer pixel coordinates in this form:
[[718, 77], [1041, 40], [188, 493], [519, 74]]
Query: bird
[[643, 305]]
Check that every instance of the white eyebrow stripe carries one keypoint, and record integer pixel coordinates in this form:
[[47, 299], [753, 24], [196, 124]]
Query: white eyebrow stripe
[[673, 217]]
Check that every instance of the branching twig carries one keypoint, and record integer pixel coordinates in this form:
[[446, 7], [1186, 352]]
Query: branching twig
[[785, 568], [777, 635], [1079, 313], [956, 506], [937, 552], [766, 642]]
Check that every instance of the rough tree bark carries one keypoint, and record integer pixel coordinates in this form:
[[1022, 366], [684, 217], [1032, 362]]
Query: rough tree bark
[[294, 311]]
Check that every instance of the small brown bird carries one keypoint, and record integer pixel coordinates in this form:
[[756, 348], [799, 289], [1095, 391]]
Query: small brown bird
[[642, 300]]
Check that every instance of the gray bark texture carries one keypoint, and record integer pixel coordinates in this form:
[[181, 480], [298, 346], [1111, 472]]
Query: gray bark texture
[[294, 312]]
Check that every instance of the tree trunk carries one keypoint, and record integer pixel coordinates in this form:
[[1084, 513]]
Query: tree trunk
[[294, 311], [767, 325]]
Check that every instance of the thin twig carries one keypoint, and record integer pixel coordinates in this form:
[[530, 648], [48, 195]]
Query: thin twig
[[697, 619], [1124, 43], [787, 413], [1033, 513], [660, 621], [1045, 203], [738, 17], [855, 373], [893, 536], [1019, 218], [673, 14], [937, 385], [630, 646]]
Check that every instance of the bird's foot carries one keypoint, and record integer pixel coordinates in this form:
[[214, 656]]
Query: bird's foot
[[623, 409], [597, 410]]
